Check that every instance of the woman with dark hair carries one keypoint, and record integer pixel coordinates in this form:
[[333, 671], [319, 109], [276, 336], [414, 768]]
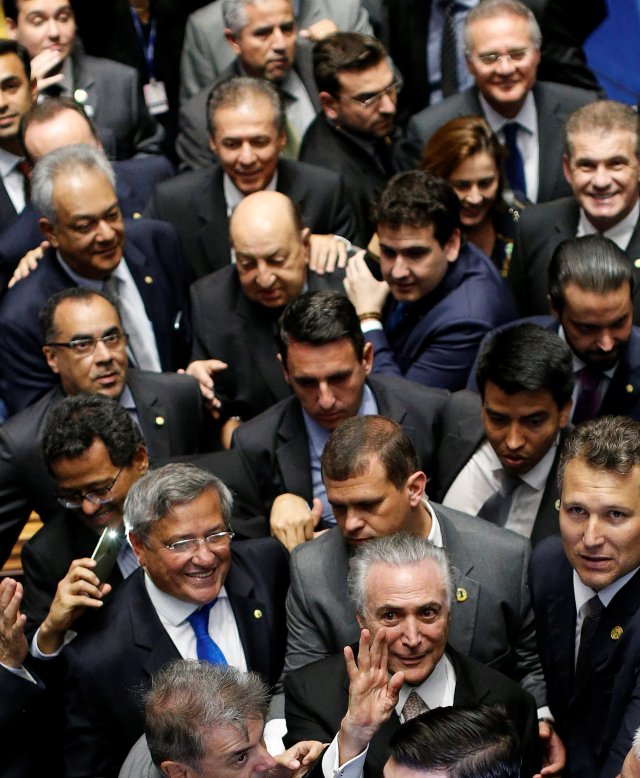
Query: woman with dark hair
[[467, 153]]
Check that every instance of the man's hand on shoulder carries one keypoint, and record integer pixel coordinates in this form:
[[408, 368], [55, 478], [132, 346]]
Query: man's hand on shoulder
[[291, 520], [327, 252], [29, 263]]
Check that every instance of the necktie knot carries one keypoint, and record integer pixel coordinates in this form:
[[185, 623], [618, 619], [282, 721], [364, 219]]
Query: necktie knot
[[414, 706], [199, 619]]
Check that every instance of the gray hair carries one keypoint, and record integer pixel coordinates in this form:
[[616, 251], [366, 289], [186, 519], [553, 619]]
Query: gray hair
[[602, 118], [244, 89], [488, 9], [64, 162], [155, 494], [188, 699], [636, 744], [399, 550], [235, 15]]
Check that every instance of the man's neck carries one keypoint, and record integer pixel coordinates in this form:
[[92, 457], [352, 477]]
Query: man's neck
[[12, 145], [421, 521], [508, 110]]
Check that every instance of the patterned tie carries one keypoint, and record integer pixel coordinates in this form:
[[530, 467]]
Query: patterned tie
[[496, 508], [206, 646], [514, 164], [587, 633], [588, 402], [414, 706]]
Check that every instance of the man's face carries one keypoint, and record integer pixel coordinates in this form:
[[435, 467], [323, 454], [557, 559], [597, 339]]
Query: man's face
[[248, 144], [506, 83], [195, 577], [600, 522], [64, 129], [93, 469], [597, 326], [411, 604], [521, 427], [377, 120], [102, 372], [16, 95], [412, 261], [370, 506], [603, 172], [267, 43], [44, 25], [328, 379], [89, 233]]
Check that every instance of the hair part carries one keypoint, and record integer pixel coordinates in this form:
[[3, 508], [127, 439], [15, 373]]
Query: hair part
[[344, 52], [47, 315], [240, 90], [490, 9], [602, 118]]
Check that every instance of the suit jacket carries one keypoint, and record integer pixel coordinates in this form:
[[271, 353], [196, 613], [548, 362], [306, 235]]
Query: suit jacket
[[317, 698], [8, 213], [554, 103], [192, 145], [540, 231], [206, 53], [438, 338], [462, 434], [491, 620], [228, 326], [597, 719], [22, 713], [135, 179], [194, 203], [274, 445], [153, 256], [109, 666]]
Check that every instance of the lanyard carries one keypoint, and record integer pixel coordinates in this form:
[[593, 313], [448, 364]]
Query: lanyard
[[148, 47]]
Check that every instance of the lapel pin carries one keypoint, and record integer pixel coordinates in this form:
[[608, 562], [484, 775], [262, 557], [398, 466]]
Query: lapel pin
[[629, 388], [137, 215], [461, 594], [636, 262], [80, 96], [159, 421], [557, 505], [616, 633], [148, 280], [257, 614]]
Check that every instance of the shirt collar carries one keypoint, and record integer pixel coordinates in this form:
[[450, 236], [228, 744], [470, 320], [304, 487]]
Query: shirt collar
[[536, 478], [620, 233], [433, 690], [126, 399], [8, 162], [233, 196], [169, 608], [584, 593], [527, 116]]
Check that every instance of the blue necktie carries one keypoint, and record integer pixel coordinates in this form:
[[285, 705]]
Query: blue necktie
[[514, 164], [206, 646]]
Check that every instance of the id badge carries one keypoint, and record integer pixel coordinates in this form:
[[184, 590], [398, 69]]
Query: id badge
[[155, 96]]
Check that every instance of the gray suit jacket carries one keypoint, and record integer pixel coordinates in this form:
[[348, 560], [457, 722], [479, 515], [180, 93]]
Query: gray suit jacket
[[206, 53], [554, 103], [492, 620]]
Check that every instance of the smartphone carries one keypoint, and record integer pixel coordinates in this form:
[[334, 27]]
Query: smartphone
[[106, 552]]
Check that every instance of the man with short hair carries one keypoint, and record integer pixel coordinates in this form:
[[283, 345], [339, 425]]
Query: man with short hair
[[73, 190], [327, 365], [247, 132], [502, 48], [499, 452], [178, 523], [353, 134], [602, 164], [438, 298], [585, 588]]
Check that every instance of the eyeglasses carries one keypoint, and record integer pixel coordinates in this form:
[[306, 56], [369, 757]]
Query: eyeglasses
[[514, 55], [393, 90], [83, 347], [191, 545], [100, 496]]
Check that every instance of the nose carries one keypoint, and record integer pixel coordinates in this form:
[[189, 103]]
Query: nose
[[89, 508], [105, 232], [102, 353], [474, 195], [353, 522], [53, 31], [265, 276], [601, 178], [400, 268], [277, 40], [326, 400], [264, 761], [505, 64], [203, 555], [515, 438], [247, 154], [592, 535], [606, 341], [387, 105], [411, 632]]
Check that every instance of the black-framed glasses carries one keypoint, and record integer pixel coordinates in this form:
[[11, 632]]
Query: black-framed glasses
[[393, 90], [100, 496], [215, 540], [83, 347], [513, 55]]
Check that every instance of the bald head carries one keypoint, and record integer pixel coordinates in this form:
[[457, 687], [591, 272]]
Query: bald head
[[272, 248]]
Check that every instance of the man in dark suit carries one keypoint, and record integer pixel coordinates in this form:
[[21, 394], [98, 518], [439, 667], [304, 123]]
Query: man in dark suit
[[403, 592], [73, 188], [247, 129], [177, 519], [585, 588], [527, 116], [438, 298], [602, 163], [499, 453], [279, 58], [327, 365]]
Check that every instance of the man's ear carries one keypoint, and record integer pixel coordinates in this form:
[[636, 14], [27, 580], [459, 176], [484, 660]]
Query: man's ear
[[305, 239], [50, 355], [566, 168], [554, 311], [140, 461], [416, 486], [452, 246], [175, 770], [284, 369], [232, 40], [12, 28], [329, 105], [138, 547], [48, 231], [367, 358], [360, 620]]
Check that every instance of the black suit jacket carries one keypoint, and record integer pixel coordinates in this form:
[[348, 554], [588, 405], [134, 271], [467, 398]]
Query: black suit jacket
[[462, 433], [110, 666], [8, 213], [194, 203], [317, 698], [153, 256], [597, 719]]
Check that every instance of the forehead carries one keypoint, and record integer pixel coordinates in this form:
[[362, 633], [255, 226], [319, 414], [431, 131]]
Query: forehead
[[82, 191], [600, 488], [85, 315], [372, 79], [519, 404], [267, 11], [598, 144], [71, 123], [360, 487], [404, 586], [93, 465], [594, 307], [11, 66], [264, 232], [504, 29], [480, 165], [205, 512], [45, 7], [251, 116], [320, 360], [406, 235]]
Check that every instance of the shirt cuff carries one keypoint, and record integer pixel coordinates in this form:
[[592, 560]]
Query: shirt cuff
[[21, 671], [545, 713], [368, 325], [331, 767], [35, 652], [274, 731]]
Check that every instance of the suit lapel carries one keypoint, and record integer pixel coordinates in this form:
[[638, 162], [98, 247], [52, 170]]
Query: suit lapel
[[213, 224], [547, 518], [153, 416], [550, 115], [292, 453], [389, 405], [7, 209]]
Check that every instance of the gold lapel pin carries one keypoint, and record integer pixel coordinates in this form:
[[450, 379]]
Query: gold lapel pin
[[461, 594], [257, 614], [616, 633], [148, 280], [159, 421]]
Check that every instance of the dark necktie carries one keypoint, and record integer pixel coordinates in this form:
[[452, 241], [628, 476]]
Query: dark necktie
[[396, 317], [449, 50], [414, 706], [588, 402], [587, 633], [514, 164], [206, 646], [25, 168], [497, 507]]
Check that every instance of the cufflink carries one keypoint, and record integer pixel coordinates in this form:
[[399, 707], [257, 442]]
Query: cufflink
[[636, 262], [159, 421], [80, 96]]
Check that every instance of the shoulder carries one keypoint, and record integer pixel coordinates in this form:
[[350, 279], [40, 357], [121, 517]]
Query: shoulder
[[205, 17], [26, 427], [260, 430], [461, 529], [550, 212], [310, 176], [107, 68], [568, 97], [463, 402], [172, 384], [434, 116], [328, 547], [185, 184], [410, 393], [316, 675], [215, 287], [25, 299], [153, 168], [548, 552]]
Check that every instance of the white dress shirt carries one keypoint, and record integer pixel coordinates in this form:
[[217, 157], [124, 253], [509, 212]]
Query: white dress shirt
[[12, 178], [620, 233]]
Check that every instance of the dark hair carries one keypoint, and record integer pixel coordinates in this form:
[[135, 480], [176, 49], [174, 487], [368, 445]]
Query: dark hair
[[351, 52], [418, 199], [348, 452], [74, 425], [608, 443], [593, 262], [602, 118], [47, 109], [238, 90], [527, 358], [47, 315], [8, 46], [319, 318], [468, 741]]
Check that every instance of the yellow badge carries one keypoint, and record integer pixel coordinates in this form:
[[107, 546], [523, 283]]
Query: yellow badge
[[159, 421], [137, 215], [148, 280], [257, 614], [616, 633], [461, 594], [629, 388]]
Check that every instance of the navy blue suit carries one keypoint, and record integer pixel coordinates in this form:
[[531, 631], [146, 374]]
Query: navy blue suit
[[437, 340], [597, 719], [154, 258]]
